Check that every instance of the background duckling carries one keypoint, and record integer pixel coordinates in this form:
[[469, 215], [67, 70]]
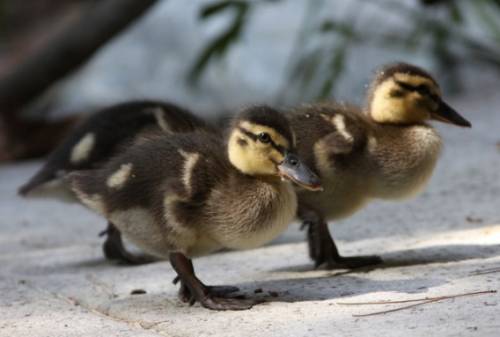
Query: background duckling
[[94, 141], [387, 151], [190, 194]]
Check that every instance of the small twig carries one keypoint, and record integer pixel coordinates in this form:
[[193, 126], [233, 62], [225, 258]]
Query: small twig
[[387, 301], [422, 301], [67, 51], [419, 299], [396, 309]]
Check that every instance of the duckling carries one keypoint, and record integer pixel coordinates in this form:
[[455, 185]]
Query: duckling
[[190, 194], [387, 151], [97, 139]]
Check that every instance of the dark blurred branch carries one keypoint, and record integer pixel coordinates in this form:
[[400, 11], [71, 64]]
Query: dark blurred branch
[[434, 2], [67, 51], [476, 50], [34, 138], [43, 68]]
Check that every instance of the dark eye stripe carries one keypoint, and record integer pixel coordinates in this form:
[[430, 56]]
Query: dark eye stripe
[[422, 88], [406, 86], [254, 137], [248, 133]]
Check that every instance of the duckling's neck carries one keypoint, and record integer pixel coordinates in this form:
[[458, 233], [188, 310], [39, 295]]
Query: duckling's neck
[[404, 157]]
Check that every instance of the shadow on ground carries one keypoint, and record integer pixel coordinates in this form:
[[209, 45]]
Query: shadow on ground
[[417, 256]]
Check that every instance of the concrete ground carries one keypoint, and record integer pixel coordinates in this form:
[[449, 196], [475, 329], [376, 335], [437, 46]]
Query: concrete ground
[[54, 281]]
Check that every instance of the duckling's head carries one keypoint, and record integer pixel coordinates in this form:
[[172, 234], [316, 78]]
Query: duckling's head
[[261, 143], [405, 94]]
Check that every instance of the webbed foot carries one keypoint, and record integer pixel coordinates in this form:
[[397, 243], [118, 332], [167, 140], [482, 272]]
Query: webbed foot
[[219, 291], [211, 297], [324, 252], [213, 302]]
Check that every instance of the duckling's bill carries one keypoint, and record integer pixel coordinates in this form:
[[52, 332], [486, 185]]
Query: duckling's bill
[[292, 168], [447, 114]]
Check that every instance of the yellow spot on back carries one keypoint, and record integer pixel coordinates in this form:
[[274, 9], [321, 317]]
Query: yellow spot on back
[[372, 144], [118, 179], [321, 153], [191, 158], [160, 120], [339, 121], [81, 151]]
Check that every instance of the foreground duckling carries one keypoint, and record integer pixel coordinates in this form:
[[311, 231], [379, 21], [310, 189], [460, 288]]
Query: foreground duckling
[[386, 152], [191, 194], [97, 139]]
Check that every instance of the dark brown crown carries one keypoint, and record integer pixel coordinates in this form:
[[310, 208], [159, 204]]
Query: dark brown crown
[[267, 116], [400, 68]]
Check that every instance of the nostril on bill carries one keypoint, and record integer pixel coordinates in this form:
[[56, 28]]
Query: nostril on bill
[[292, 160]]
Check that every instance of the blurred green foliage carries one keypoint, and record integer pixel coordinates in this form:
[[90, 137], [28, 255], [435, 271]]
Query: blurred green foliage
[[449, 32], [221, 43]]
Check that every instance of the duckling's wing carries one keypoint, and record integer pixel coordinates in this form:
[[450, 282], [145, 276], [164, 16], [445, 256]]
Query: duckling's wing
[[181, 166], [346, 135], [326, 131]]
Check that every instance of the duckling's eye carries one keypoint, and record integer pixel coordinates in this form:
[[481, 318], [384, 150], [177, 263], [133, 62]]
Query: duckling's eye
[[264, 137], [293, 161], [423, 89]]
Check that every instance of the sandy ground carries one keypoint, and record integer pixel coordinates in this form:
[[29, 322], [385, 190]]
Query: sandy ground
[[54, 281]]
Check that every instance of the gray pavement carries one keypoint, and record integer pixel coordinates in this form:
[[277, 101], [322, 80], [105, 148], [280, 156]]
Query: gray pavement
[[54, 281]]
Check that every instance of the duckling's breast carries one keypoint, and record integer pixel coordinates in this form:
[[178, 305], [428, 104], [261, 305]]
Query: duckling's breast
[[250, 220], [406, 158]]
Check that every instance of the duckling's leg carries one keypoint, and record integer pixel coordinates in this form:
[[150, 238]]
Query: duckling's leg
[[114, 249], [209, 297], [322, 248]]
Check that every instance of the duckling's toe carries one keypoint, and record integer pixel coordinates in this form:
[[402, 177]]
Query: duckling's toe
[[217, 291], [218, 298]]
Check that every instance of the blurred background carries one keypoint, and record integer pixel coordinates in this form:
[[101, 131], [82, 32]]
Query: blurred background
[[60, 59]]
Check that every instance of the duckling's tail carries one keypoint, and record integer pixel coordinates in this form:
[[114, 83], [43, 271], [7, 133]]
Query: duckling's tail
[[40, 178], [46, 184]]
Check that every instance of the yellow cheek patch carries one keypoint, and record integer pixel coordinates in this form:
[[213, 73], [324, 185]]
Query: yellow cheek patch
[[275, 156], [384, 108], [275, 136], [252, 158]]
